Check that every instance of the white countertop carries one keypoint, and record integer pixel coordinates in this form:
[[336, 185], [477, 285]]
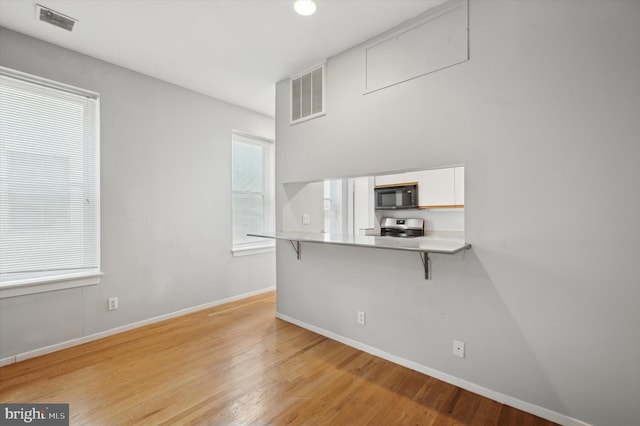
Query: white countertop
[[419, 244]]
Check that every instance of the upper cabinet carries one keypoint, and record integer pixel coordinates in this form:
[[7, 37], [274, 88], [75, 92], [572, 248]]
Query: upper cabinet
[[441, 188], [397, 179], [459, 186], [438, 188]]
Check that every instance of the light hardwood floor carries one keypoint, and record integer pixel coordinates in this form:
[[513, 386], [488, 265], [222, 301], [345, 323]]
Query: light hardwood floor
[[238, 364]]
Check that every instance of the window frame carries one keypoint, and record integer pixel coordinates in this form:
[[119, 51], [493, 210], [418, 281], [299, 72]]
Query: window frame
[[268, 194], [19, 284]]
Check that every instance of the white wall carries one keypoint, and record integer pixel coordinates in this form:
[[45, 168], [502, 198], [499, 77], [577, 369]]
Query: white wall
[[165, 206], [303, 198], [545, 118]]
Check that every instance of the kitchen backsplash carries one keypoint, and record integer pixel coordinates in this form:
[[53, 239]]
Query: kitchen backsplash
[[439, 223]]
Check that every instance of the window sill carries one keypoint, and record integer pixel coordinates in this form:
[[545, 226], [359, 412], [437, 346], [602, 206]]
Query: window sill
[[31, 285], [254, 249]]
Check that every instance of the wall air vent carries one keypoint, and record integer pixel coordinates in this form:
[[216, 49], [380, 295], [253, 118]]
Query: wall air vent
[[307, 94], [52, 17]]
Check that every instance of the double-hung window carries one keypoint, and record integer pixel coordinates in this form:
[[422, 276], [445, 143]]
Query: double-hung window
[[252, 192], [49, 185]]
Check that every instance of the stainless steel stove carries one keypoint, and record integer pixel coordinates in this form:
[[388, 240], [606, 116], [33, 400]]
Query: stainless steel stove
[[405, 228]]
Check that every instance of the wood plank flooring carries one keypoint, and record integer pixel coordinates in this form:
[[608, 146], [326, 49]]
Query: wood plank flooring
[[238, 364]]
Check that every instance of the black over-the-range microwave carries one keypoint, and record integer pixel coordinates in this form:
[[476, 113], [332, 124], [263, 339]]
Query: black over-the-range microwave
[[396, 197]]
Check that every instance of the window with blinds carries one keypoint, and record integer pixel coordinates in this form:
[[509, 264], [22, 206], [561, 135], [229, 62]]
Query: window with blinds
[[49, 197], [253, 206]]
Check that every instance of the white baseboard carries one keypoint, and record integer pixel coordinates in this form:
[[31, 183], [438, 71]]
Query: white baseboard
[[100, 335], [472, 387]]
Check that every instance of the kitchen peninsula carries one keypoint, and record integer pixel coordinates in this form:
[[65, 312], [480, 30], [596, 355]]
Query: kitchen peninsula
[[422, 245]]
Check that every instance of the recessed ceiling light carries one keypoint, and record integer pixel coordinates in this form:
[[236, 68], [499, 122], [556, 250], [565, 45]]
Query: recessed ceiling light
[[305, 7]]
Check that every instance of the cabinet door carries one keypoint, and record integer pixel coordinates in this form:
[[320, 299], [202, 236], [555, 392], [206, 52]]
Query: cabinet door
[[436, 188], [363, 205], [397, 179], [459, 186]]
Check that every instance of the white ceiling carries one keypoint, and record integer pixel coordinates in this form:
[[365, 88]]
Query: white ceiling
[[233, 50]]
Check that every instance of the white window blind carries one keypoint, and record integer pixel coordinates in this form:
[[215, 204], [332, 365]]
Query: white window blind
[[252, 192], [49, 198]]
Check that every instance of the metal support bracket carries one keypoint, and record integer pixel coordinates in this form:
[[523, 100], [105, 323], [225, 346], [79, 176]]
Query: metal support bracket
[[297, 247], [426, 262]]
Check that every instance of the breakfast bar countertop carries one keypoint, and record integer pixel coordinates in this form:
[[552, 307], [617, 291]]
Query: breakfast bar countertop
[[417, 244]]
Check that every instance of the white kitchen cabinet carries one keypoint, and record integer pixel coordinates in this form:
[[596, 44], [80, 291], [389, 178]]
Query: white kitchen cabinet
[[397, 179], [436, 188], [363, 205], [459, 186]]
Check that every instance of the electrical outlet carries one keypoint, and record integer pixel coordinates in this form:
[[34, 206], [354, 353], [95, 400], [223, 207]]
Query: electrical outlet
[[361, 317], [306, 219], [113, 303], [458, 348]]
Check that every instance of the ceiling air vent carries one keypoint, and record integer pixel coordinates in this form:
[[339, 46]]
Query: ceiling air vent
[[52, 17], [307, 94]]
